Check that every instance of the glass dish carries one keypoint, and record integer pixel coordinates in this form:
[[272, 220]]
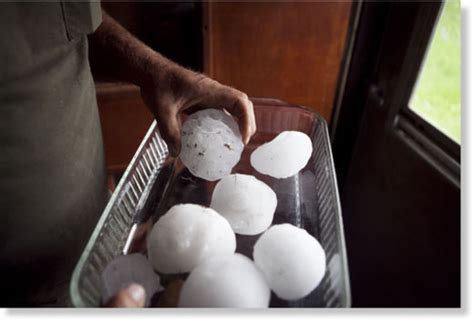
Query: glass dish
[[154, 182]]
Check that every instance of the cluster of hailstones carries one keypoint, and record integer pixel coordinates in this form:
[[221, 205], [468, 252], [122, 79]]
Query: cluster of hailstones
[[193, 239]]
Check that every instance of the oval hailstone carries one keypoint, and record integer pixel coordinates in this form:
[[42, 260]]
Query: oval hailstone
[[284, 156], [292, 261], [125, 270], [247, 203], [211, 144], [187, 235], [226, 281]]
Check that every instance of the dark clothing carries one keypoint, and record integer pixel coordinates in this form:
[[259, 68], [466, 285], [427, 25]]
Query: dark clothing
[[52, 170]]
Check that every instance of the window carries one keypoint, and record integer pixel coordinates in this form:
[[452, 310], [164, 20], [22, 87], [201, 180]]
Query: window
[[437, 95]]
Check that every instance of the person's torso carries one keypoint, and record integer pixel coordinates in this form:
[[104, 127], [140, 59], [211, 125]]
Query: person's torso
[[52, 176]]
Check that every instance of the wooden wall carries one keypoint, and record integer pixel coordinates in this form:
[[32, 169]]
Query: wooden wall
[[291, 51]]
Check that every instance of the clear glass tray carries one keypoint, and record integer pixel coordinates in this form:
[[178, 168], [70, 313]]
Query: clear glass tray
[[154, 182]]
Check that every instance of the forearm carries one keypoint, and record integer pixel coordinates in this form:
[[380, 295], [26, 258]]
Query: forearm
[[132, 60], [166, 88]]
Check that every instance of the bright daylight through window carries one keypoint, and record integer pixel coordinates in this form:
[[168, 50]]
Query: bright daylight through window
[[437, 95]]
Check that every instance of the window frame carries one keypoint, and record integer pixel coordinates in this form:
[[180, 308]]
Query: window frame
[[368, 79], [439, 149]]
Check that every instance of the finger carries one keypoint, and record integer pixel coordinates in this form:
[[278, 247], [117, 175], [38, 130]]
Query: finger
[[170, 130], [238, 104], [243, 110], [249, 123], [132, 296]]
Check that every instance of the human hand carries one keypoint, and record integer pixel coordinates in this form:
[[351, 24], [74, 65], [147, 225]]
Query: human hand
[[178, 89], [132, 296], [167, 88]]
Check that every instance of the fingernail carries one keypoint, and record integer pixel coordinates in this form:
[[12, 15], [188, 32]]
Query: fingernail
[[136, 292]]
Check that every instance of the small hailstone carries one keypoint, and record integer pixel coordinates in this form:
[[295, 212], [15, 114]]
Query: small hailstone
[[284, 156], [211, 144], [226, 281], [293, 261], [247, 203], [186, 235], [125, 270]]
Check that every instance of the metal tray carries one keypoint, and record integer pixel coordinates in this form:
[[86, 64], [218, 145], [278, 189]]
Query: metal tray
[[153, 182]]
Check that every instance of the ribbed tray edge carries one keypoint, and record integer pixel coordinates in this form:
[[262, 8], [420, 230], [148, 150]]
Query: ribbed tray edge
[[75, 296]]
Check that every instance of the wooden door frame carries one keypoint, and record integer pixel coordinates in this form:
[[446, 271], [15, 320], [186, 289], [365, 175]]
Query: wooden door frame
[[361, 57]]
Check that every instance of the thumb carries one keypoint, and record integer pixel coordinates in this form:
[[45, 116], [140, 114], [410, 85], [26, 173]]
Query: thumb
[[170, 131], [132, 296]]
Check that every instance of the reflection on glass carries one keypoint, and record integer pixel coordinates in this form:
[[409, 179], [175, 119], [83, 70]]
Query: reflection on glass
[[437, 95]]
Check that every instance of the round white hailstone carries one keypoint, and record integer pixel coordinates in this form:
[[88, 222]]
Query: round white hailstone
[[125, 270], [284, 156], [226, 281], [292, 261], [187, 235], [211, 144], [247, 203]]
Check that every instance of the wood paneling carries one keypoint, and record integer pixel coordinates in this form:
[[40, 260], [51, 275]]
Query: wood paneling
[[291, 51]]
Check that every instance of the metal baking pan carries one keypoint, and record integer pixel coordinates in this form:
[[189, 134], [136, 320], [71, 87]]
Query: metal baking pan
[[154, 182]]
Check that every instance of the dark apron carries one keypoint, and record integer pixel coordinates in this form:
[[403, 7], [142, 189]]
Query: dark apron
[[52, 171]]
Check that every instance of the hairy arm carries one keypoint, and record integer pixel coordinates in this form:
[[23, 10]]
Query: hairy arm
[[167, 88]]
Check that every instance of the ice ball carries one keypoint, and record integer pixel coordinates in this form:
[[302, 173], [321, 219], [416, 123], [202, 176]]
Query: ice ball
[[284, 156], [211, 144], [292, 260], [246, 202], [125, 270], [226, 281], [186, 235]]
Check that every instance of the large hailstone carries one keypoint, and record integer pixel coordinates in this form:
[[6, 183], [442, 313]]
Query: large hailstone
[[187, 235], [226, 281], [125, 270], [284, 156], [247, 203], [292, 261], [211, 144]]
